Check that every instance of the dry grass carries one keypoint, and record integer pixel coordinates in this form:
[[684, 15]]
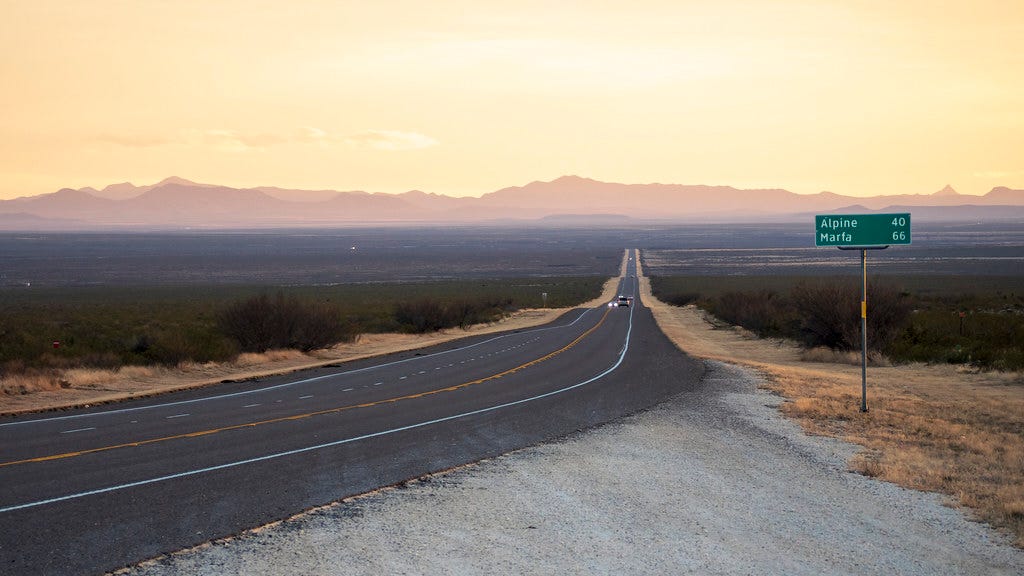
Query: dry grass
[[934, 428], [29, 383], [821, 354], [939, 436], [256, 359]]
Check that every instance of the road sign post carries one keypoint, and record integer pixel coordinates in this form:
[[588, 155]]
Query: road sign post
[[862, 232]]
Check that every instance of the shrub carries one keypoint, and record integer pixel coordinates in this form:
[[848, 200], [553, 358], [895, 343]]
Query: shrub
[[423, 315], [830, 314], [680, 298], [262, 323], [762, 311], [431, 314]]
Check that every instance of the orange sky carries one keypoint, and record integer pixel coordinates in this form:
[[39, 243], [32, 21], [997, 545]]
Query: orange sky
[[464, 97]]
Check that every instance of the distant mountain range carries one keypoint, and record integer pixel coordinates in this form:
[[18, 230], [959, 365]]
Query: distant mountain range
[[569, 200]]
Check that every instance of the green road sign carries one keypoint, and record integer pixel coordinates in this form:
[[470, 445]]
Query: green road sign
[[861, 229]]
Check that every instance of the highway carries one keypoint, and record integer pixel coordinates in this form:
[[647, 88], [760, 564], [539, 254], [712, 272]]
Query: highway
[[88, 491]]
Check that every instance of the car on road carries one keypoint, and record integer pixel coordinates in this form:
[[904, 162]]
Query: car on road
[[625, 301]]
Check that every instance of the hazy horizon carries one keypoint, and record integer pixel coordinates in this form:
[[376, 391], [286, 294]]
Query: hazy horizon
[[460, 99]]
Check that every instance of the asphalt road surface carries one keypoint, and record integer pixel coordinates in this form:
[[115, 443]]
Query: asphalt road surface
[[89, 491]]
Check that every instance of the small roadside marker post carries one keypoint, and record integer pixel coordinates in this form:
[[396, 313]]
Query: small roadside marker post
[[862, 232]]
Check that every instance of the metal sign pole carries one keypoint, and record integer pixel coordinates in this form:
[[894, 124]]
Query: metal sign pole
[[863, 320], [864, 331]]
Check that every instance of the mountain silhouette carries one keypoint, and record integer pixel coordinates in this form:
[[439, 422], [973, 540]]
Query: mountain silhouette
[[176, 202]]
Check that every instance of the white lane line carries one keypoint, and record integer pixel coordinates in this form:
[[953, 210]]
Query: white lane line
[[277, 455], [306, 397], [402, 377], [177, 416], [377, 383], [297, 382], [78, 430], [250, 406], [348, 389]]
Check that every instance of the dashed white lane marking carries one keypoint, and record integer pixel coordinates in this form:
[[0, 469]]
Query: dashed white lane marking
[[177, 416], [306, 397], [377, 383], [78, 430], [402, 377], [348, 389], [422, 371], [250, 406]]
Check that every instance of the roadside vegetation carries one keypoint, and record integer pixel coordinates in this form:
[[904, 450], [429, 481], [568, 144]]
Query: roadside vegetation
[[947, 416], [44, 331], [977, 322]]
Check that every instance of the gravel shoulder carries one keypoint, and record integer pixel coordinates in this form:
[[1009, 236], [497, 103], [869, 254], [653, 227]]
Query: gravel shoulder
[[715, 482]]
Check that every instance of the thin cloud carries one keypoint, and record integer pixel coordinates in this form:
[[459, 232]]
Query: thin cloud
[[135, 140], [312, 135], [234, 141], [392, 140], [996, 174]]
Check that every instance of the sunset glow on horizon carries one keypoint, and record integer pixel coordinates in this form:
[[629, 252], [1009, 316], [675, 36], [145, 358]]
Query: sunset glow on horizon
[[466, 97]]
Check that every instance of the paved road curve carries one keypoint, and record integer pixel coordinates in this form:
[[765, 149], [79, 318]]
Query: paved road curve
[[89, 491]]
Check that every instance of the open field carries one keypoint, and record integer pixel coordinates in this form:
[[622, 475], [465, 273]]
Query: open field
[[409, 254], [939, 428], [966, 249], [301, 258], [949, 319]]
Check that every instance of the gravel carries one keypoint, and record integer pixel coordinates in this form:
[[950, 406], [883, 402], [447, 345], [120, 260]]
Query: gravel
[[714, 482]]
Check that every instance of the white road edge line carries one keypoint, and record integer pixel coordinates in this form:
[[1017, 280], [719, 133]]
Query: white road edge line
[[176, 416], [118, 487]]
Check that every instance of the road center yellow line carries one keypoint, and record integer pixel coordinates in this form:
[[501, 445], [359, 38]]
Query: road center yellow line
[[335, 410]]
